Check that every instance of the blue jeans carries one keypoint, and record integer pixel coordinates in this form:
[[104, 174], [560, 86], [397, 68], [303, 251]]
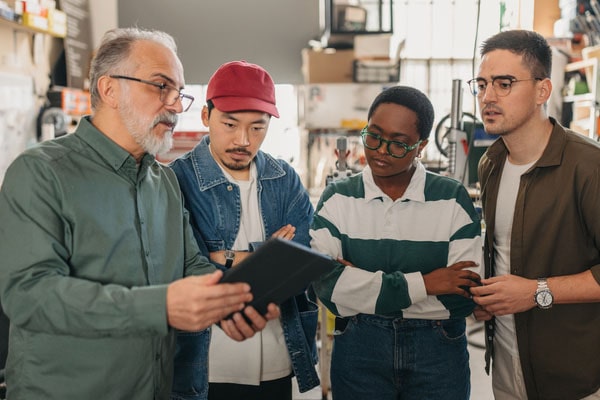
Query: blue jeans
[[190, 380], [394, 358]]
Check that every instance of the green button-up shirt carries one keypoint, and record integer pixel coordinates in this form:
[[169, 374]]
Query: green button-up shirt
[[88, 244]]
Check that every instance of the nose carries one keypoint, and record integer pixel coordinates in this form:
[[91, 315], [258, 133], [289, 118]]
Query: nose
[[489, 94], [176, 107], [383, 148], [241, 137]]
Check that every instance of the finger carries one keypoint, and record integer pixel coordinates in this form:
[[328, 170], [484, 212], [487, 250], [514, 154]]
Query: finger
[[474, 276], [285, 231], [273, 312], [245, 329], [231, 330], [208, 279], [463, 264], [467, 281], [258, 321], [483, 290], [481, 315], [346, 263], [487, 302], [229, 290]]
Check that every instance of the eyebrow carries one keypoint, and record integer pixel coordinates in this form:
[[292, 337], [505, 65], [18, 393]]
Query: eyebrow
[[506, 76], [392, 134], [169, 80]]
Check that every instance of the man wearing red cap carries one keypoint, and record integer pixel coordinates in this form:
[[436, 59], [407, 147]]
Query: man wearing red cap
[[239, 196]]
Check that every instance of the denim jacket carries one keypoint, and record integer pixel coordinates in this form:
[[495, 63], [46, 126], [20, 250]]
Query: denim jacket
[[214, 205]]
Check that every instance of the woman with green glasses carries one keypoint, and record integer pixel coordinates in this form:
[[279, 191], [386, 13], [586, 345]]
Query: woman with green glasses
[[408, 244]]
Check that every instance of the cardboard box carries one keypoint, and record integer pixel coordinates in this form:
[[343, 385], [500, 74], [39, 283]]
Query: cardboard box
[[327, 66], [372, 46]]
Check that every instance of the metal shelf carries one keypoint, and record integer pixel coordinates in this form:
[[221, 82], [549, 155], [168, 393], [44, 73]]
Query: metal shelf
[[588, 124]]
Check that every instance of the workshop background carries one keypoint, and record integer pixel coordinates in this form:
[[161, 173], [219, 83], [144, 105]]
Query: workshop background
[[329, 59]]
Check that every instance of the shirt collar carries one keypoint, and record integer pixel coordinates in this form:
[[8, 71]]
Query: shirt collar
[[552, 155], [113, 154], [414, 192]]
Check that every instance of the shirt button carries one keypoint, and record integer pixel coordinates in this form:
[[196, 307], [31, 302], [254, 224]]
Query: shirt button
[[229, 188]]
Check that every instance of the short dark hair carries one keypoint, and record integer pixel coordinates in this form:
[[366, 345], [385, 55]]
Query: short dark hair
[[210, 105], [412, 99], [535, 50]]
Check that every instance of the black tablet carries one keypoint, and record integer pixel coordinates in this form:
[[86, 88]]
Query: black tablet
[[278, 270]]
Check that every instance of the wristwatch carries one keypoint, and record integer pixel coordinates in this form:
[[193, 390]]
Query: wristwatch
[[543, 296], [229, 256]]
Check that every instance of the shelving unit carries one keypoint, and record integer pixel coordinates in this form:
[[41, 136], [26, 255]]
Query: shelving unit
[[16, 26], [585, 105]]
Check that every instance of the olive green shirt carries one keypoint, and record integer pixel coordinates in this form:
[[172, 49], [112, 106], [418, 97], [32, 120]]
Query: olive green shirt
[[88, 244]]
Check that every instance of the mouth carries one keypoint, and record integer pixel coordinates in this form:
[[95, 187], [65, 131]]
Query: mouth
[[167, 121], [169, 125], [491, 112], [238, 154], [379, 162]]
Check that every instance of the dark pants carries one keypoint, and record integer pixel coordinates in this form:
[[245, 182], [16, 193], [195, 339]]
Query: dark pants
[[279, 389], [4, 323], [390, 359]]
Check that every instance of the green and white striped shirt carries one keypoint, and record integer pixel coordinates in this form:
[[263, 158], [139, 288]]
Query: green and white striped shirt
[[393, 243]]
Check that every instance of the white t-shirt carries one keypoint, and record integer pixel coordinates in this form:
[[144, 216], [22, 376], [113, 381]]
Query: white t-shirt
[[264, 356], [505, 210]]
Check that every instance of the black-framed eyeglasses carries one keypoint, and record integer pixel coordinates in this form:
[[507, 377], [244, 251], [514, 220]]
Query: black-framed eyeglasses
[[168, 94], [502, 85], [373, 141]]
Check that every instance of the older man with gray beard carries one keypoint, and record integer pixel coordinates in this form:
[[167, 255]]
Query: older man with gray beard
[[96, 248]]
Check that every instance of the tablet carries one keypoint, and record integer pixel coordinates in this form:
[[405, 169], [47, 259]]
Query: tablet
[[278, 270]]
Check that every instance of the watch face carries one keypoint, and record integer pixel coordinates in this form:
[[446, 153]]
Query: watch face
[[544, 298], [229, 254]]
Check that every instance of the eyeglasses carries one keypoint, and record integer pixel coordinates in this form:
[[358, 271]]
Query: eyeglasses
[[168, 94], [501, 85], [395, 149]]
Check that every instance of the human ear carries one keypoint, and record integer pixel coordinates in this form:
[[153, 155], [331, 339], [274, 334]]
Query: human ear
[[108, 91], [205, 116], [544, 91]]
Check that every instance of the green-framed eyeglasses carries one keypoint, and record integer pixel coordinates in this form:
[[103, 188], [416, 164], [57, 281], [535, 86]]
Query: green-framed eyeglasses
[[373, 141]]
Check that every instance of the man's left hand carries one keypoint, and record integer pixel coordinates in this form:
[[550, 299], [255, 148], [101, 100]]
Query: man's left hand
[[239, 329], [505, 294]]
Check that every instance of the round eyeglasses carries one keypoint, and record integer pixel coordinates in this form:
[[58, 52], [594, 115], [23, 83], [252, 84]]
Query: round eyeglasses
[[502, 85], [168, 94], [372, 141]]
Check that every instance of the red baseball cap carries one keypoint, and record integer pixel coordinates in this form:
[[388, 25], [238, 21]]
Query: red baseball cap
[[240, 86]]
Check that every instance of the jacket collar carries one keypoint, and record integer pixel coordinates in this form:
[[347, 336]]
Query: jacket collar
[[209, 174]]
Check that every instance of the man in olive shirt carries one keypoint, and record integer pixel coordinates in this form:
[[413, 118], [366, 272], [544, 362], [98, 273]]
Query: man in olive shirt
[[95, 242]]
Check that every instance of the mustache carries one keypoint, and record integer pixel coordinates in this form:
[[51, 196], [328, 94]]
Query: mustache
[[491, 108], [238, 150], [167, 118]]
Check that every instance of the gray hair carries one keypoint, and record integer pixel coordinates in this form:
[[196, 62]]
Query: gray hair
[[112, 57]]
